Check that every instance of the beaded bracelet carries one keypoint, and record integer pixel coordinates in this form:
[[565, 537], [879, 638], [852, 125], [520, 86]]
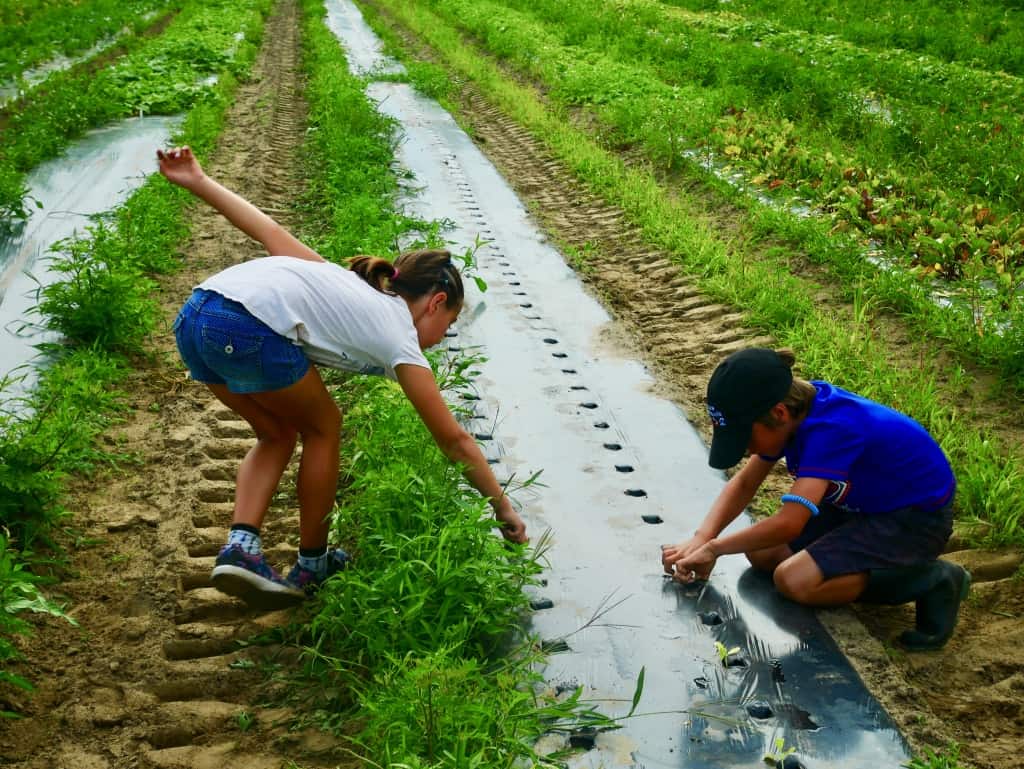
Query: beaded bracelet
[[801, 501]]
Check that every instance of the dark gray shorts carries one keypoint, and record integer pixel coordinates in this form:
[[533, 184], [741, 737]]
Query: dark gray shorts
[[846, 543]]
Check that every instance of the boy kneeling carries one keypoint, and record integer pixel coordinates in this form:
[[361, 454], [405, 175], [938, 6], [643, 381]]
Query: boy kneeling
[[870, 509]]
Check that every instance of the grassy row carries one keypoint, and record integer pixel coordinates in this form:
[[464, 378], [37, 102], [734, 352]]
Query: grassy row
[[103, 307], [417, 649], [162, 75], [835, 343], [927, 226], [66, 29], [925, 124], [979, 33]]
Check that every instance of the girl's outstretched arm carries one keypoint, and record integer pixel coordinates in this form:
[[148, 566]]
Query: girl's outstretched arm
[[180, 167], [459, 446]]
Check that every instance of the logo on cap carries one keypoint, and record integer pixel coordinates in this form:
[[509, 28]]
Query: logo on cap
[[717, 417]]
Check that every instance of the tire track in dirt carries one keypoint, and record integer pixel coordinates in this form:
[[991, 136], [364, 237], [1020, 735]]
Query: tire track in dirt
[[682, 335], [160, 673]]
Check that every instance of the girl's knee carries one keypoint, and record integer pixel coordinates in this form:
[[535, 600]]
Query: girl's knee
[[325, 423]]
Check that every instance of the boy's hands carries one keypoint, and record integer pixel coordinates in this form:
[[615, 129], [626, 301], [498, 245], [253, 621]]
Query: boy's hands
[[672, 553], [689, 560], [697, 565], [180, 167], [512, 527]]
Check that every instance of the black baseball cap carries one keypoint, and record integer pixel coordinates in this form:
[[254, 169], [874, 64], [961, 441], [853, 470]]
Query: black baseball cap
[[743, 388]]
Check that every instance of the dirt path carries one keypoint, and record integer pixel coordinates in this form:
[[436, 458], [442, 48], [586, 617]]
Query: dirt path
[[153, 677]]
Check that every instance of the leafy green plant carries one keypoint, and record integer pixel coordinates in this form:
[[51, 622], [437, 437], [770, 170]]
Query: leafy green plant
[[937, 759], [19, 592], [98, 301]]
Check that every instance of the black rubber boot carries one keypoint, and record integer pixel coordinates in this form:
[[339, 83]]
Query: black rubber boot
[[937, 588], [938, 609]]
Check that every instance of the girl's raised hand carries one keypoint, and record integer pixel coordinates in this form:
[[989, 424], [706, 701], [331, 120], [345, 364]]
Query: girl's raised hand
[[180, 167]]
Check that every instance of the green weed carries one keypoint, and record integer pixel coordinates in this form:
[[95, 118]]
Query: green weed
[[938, 759], [245, 721], [19, 592]]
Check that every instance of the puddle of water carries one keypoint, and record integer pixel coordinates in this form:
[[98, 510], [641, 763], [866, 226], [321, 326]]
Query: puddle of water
[[95, 175], [604, 558], [364, 49]]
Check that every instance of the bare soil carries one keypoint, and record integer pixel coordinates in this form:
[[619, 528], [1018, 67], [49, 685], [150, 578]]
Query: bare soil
[[154, 675]]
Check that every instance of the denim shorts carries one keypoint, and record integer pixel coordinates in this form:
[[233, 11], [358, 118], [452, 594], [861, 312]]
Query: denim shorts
[[222, 343], [847, 543]]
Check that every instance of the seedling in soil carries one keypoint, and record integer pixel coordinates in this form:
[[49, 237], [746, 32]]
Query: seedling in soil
[[245, 720], [778, 757], [729, 657]]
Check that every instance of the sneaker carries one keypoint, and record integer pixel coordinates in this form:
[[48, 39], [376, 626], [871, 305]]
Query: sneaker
[[252, 579], [307, 580]]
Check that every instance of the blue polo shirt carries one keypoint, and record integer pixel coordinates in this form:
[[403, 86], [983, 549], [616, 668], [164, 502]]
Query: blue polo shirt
[[876, 459]]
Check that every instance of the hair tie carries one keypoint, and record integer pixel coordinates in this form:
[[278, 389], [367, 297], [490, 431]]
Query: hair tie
[[394, 275]]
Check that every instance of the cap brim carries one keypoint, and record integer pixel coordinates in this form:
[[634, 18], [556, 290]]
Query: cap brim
[[728, 445]]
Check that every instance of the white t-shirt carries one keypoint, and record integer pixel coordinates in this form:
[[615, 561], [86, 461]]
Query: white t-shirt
[[337, 318]]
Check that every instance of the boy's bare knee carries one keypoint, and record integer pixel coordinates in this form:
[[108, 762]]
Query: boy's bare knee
[[790, 584]]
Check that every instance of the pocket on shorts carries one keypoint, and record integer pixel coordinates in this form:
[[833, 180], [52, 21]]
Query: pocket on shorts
[[233, 355]]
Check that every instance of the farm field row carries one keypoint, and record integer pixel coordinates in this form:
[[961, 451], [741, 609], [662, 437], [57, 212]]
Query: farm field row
[[608, 210], [38, 38], [158, 73], [750, 260], [198, 671], [186, 669], [893, 162], [976, 33]]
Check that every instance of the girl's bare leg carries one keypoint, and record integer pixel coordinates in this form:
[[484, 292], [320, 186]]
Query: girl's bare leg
[[309, 409], [260, 472], [303, 409]]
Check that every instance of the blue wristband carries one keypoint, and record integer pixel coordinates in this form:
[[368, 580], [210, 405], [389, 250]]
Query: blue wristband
[[801, 501]]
